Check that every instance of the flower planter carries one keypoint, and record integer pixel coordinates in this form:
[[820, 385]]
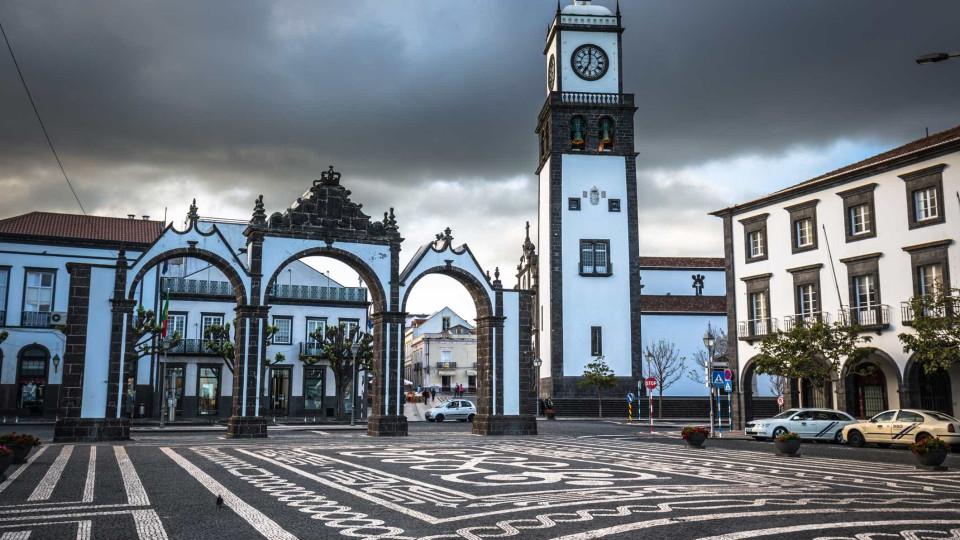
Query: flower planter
[[789, 447], [696, 440], [5, 462], [20, 452], [551, 415], [932, 458]]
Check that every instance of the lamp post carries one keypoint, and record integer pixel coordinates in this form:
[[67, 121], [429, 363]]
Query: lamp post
[[709, 340], [649, 358], [164, 346], [353, 388], [537, 362], [936, 57]]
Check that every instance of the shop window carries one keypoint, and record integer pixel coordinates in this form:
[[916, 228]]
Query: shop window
[[32, 378]]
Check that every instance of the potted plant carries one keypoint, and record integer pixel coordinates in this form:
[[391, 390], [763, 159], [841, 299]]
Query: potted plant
[[695, 435], [551, 414], [930, 452], [6, 458], [788, 444], [20, 445]]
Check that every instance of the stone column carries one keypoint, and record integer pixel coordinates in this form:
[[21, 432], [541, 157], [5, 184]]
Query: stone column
[[245, 420], [387, 419], [490, 419]]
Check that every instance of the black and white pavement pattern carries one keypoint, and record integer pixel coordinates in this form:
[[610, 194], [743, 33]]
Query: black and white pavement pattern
[[450, 484]]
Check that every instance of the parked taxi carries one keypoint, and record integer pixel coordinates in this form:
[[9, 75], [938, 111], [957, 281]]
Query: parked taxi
[[812, 424], [903, 426]]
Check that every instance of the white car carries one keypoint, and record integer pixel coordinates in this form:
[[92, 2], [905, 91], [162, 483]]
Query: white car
[[455, 409], [811, 424]]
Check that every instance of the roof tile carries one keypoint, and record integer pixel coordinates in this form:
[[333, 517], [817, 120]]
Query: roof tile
[[79, 227]]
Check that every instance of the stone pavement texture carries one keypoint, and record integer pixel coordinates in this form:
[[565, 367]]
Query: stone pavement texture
[[447, 483]]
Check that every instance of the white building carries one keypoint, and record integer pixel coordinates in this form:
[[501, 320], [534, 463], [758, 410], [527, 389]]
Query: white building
[[855, 244], [36, 249], [440, 350]]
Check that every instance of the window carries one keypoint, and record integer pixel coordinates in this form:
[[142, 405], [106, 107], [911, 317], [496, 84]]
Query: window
[[806, 285], [595, 258], [929, 265], [32, 378], [865, 294], [573, 203], [860, 219], [907, 416], [929, 275], [925, 203], [208, 389], [207, 320], [884, 417], [806, 300], [613, 205], [38, 292], [313, 385], [605, 133], [758, 306], [284, 335], [859, 213], [4, 281], [312, 326], [445, 324], [177, 322], [804, 232], [596, 341], [864, 282], [349, 326], [756, 244], [577, 131], [924, 196], [446, 356]]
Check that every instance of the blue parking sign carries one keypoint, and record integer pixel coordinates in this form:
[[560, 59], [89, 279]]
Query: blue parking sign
[[717, 379]]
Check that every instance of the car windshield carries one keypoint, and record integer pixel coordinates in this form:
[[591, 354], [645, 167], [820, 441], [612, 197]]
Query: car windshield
[[787, 413], [940, 416]]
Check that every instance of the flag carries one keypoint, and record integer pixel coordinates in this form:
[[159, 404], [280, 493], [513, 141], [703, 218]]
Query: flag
[[164, 315], [166, 266]]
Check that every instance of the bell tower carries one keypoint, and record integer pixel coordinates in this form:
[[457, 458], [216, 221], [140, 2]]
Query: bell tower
[[588, 290]]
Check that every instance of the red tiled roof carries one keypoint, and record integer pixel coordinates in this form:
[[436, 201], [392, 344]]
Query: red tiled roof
[[931, 142], [78, 227], [682, 262], [683, 304]]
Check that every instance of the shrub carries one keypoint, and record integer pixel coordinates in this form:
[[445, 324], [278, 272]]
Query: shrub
[[789, 436], [24, 439], [688, 431], [4, 451], [929, 444]]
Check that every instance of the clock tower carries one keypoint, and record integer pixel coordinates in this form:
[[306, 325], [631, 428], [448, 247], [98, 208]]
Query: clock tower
[[588, 288]]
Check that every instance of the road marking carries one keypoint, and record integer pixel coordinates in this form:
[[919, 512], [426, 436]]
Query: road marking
[[13, 476], [136, 495], [91, 476], [264, 525], [148, 525], [320, 432], [17, 535], [83, 527], [49, 481], [818, 526]]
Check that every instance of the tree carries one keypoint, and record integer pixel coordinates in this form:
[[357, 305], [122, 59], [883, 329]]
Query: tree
[[147, 332], [600, 376], [935, 341], [812, 350], [699, 373], [3, 335], [664, 364], [217, 338], [777, 385], [335, 344]]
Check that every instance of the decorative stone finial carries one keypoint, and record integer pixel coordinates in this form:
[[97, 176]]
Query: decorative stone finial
[[259, 216], [496, 273], [391, 222], [192, 216], [330, 177]]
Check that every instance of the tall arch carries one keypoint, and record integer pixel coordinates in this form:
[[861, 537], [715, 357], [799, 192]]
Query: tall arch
[[871, 385], [217, 261], [933, 391], [370, 278]]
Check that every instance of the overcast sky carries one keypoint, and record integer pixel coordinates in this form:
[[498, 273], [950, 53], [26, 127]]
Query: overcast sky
[[430, 107]]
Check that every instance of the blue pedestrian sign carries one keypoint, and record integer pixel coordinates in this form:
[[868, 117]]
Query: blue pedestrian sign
[[630, 397], [728, 386], [717, 379]]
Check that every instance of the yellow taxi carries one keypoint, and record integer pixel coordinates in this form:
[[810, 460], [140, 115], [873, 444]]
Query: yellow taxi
[[903, 426]]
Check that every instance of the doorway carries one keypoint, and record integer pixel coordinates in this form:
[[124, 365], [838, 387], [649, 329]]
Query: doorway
[[279, 397]]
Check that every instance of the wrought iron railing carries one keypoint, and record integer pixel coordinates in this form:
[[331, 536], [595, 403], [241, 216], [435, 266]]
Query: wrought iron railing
[[310, 348], [791, 321], [446, 365], [869, 317], [195, 347], [756, 328], [199, 287], [35, 318], [313, 292], [908, 314]]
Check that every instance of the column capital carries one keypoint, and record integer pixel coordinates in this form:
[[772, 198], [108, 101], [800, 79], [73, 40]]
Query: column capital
[[247, 311], [492, 320], [388, 317], [123, 305]]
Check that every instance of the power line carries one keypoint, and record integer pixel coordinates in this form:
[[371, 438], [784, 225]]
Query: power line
[[42, 127]]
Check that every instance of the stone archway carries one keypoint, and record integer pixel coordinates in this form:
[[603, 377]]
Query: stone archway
[[870, 386], [935, 391]]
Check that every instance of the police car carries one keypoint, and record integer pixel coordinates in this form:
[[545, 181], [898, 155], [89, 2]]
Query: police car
[[810, 424], [904, 426]]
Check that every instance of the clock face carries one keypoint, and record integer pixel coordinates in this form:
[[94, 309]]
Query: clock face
[[551, 72], [589, 62]]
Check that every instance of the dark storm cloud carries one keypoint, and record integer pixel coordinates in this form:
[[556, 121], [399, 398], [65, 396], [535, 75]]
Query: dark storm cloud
[[151, 103]]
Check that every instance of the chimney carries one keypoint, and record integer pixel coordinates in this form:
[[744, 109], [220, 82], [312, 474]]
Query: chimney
[[146, 218], [131, 216]]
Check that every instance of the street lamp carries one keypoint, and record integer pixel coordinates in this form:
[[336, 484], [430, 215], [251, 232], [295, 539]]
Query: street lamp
[[936, 57], [354, 348], [537, 363], [709, 340], [56, 362], [164, 346]]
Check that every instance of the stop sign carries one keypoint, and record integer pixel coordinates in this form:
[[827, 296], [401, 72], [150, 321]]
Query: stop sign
[[650, 383]]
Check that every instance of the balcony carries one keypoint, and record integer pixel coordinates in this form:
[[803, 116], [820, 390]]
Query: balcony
[[198, 287], [596, 98], [755, 329], [791, 321], [323, 294], [37, 319], [872, 318], [192, 347], [310, 348], [908, 315], [446, 365]]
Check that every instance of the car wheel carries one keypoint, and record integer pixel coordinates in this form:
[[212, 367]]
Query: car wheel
[[759, 438], [470, 418], [923, 435], [855, 438], [779, 431], [838, 438], [883, 445], [439, 418]]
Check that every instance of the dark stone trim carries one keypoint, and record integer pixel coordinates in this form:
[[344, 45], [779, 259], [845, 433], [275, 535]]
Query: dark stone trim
[[799, 212], [855, 197], [246, 427], [928, 246], [924, 179], [753, 224], [733, 355], [502, 424], [926, 254], [76, 430], [807, 268], [42, 240], [861, 258], [748, 279], [860, 266]]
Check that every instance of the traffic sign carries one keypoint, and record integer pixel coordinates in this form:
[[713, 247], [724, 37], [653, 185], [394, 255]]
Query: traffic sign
[[650, 383], [727, 375], [717, 379], [728, 386], [630, 397], [779, 401]]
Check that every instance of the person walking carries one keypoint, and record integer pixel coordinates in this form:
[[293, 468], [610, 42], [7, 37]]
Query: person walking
[[433, 394]]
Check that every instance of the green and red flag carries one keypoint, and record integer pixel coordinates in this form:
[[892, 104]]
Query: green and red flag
[[165, 315]]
